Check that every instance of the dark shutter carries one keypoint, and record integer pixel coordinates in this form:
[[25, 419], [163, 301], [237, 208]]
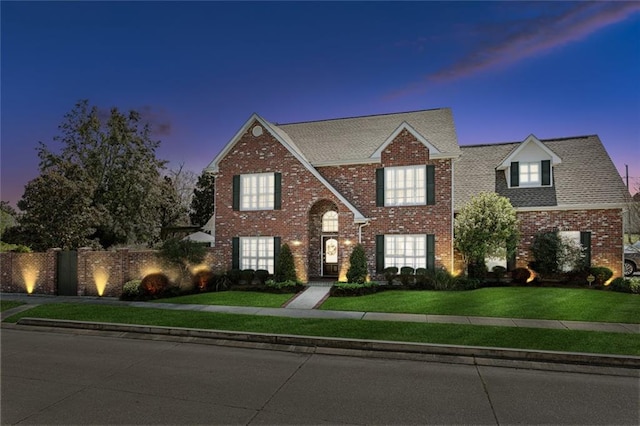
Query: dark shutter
[[236, 192], [380, 253], [546, 172], [277, 242], [515, 173], [235, 253], [431, 251], [380, 187], [585, 242], [431, 185], [277, 203]]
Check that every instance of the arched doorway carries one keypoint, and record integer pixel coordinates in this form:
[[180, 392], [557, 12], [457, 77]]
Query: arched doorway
[[324, 253]]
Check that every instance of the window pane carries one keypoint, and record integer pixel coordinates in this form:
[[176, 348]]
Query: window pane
[[257, 253], [258, 191], [405, 185], [405, 250]]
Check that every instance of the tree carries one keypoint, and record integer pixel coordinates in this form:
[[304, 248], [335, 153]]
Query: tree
[[111, 166], [183, 182], [202, 201], [357, 272], [8, 217], [486, 226], [182, 253], [285, 268]]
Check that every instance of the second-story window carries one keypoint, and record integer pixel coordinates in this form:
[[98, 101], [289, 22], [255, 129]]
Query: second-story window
[[530, 173], [405, 186], [257, 191]]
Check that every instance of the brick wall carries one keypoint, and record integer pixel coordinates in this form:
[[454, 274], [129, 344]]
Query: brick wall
[[302, 193], [28, 272], [606, 227]]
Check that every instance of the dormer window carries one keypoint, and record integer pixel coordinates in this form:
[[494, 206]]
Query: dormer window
[[531, 173]]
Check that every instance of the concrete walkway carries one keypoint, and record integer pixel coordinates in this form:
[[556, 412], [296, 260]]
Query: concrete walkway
[[302, 307]]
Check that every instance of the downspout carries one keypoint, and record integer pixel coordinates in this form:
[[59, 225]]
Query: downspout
[[362, 225]]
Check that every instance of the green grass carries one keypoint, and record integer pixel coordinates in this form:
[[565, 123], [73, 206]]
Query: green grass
[[9, 304], [509, 302], [506, 337], [232, 298]]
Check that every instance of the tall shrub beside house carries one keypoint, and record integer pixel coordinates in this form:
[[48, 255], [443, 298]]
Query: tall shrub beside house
[[357, 272], [285, 267], [485, 227], [182, 253]]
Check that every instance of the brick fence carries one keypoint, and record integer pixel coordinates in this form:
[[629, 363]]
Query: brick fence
[[100, 273]]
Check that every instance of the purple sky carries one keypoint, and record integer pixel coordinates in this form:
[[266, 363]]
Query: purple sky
[[198, 70]]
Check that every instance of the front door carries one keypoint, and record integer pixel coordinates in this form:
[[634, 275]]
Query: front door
[[329, 257]]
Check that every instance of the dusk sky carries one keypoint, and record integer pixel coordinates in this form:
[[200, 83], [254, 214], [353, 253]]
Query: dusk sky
[[198, 70]]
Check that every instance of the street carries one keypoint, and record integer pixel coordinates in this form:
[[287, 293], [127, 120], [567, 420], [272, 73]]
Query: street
[[71, 378]]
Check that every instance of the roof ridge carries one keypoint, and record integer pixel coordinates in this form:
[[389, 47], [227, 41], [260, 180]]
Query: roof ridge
[[361, 116], [517, 142]]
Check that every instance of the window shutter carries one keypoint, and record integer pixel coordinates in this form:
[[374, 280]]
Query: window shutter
[[515, 173], [431, 251], [235, 253], [431, 184], [236, 192], [546, 172], [380, 253], [585, 242], [277, 242], [277, 203], [380, 187]]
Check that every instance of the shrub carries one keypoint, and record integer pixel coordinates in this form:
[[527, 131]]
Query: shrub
[[131, 290], [498, 272], [621, 285], [353, 289], [182, 253], [422, 278], [283, 287], [221, 282], [357, 272], [262, 275], [634, 285], [202, 280], [155, 284], [602, 274], [390, 273], [477, 269], [406, 275], [465, 283], [442, 279], [234, 276], [247, 275], [520, 275], [285, 268]]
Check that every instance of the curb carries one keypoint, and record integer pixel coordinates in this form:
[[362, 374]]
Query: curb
[[617, 365]]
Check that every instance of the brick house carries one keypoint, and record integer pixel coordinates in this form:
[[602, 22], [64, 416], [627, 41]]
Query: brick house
[[393, 183]]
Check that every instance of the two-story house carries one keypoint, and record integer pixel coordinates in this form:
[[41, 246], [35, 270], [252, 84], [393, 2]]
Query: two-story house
[[393, 183]]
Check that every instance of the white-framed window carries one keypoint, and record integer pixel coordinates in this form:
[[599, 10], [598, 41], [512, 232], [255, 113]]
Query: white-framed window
[[257, 253], [257, 191], [405, 250], [330, 222], [405, 186], [529, 173]]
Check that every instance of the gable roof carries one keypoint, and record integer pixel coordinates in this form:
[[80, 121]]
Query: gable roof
[[359, 139], [530, 140], [586, 177]]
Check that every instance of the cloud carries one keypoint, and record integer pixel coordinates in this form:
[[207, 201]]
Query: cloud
[[158, 120], [497, 46]]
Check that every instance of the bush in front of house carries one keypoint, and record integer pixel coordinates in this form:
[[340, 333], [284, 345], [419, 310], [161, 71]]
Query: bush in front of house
[[354, 289], [203, 280], [520, 275], [422, 278], [155, 285], [286, 268], [262, 275], [131, 290], [247, 276], [390, 274], [625, 285], [357, 272], [406, 275], [601, 274], [271, 286]]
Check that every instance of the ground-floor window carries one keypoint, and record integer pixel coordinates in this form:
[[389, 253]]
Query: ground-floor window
[[414, 250], [255, 253]]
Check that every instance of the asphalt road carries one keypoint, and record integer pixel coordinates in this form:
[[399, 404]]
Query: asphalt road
[[70, 378]]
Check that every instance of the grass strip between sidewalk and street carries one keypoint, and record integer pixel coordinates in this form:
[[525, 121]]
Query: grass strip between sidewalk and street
[[454, 334], [569, 304]]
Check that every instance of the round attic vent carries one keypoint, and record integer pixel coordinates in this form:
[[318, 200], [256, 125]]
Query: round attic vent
[[257, 131]]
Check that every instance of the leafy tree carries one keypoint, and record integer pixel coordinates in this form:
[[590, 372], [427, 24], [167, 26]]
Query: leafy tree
[[486, 226], [182, 253], [183, 182], [202, 201], [357, 272], [8, 217], [110, 166], [286, 268]]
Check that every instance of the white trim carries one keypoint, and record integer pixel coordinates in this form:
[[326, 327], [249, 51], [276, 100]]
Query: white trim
[[433, 151], [506, 163]]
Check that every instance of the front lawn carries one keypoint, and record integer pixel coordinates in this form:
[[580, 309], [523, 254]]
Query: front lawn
[[9, 304], [508, 302], [452, 334], [232, 298]]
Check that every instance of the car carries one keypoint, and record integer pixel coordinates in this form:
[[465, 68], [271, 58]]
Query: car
[[631, 258]]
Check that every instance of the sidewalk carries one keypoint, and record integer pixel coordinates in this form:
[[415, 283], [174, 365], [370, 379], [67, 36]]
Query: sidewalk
[[299, 309]]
